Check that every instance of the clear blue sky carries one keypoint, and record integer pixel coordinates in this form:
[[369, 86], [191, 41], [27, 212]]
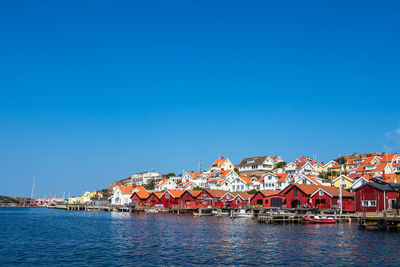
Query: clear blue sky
[[93, 91]]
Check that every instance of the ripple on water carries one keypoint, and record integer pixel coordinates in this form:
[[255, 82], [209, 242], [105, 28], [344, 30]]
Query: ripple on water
[[41, 237]]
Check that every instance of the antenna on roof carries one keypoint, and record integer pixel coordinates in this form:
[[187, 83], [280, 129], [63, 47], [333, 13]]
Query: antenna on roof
[[200, 165], [219, 155]]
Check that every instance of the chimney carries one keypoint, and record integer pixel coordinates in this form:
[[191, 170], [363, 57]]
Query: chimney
[[222, 157], [134, 185], [192, 171]]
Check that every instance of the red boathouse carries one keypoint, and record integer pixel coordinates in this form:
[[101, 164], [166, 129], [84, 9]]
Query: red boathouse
[[375, 197]]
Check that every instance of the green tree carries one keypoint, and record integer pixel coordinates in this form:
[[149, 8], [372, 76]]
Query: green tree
[[280, 165], [197, 188], [151, 185], [253, 191]]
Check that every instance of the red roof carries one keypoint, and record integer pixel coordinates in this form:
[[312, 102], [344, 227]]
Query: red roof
[[246, 179]]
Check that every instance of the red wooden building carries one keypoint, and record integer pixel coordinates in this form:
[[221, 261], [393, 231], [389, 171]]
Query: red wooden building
[[375, 197], [268, 198], [153, 199], [298, 195], [171, 198], [227, 199], [240, 200], [327, 197], [139, 196], [211, 198], [189, 199]]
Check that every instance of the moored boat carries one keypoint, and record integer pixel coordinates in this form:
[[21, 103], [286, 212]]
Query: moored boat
[[317, 219], [243, 214]]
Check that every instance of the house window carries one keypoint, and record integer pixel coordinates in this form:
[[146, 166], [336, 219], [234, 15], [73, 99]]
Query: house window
[[187, 194], [321, 193], [228, 196], [204, 195], [167, 195], [368, 203], [295, 192], [266, 201]]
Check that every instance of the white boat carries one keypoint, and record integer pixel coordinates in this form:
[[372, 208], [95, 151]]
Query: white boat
[[219, 213], [243, 214], [151, 211]]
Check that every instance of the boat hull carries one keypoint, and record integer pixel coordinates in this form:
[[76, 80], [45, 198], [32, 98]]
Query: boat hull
[[319, 220]]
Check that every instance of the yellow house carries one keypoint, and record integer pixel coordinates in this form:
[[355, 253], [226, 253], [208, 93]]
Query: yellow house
[[328, 166], [318, 167], [76, 200], [343, 180], [85, 198]]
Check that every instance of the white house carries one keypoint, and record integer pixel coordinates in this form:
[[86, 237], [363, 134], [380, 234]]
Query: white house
[[121, 195], [269, 182], [165, 184], [239, 184], [260, 164], [196, 178], [221, 164], [144, 178], [304, 179]]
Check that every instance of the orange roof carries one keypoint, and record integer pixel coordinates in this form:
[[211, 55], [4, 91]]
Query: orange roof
[[162, 182], [183, 185], [176, 193], [282, 177], [380, 167], [243, 195], [195, 193], [219, 162], [334, 191], [360, 168], [308, 189], [194, 174], [224, 173], [246, 179], [336, 166], [158, 194], [125, 189], [222, 181], [368, 159], [269, 192], [215, 192], [388, 157]]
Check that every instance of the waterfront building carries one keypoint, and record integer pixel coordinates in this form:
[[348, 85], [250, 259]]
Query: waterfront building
[[139, 196], [211, 198], [92, 196], [241, 199], [268, 198], [298, 195], [121, 195], [258, 165], [375, 197], [327, 197], [171, 197]]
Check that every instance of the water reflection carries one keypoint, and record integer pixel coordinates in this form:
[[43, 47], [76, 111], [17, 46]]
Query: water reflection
[[50, 237]]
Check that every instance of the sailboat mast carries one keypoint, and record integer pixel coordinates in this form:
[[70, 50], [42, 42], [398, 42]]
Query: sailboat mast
[[33, 190], [340, 185]]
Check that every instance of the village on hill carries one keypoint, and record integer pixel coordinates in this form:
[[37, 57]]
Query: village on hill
[[266, 181]]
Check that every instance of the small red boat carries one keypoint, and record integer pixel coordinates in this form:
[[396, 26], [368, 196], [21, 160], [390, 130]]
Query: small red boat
[[317, 219]]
